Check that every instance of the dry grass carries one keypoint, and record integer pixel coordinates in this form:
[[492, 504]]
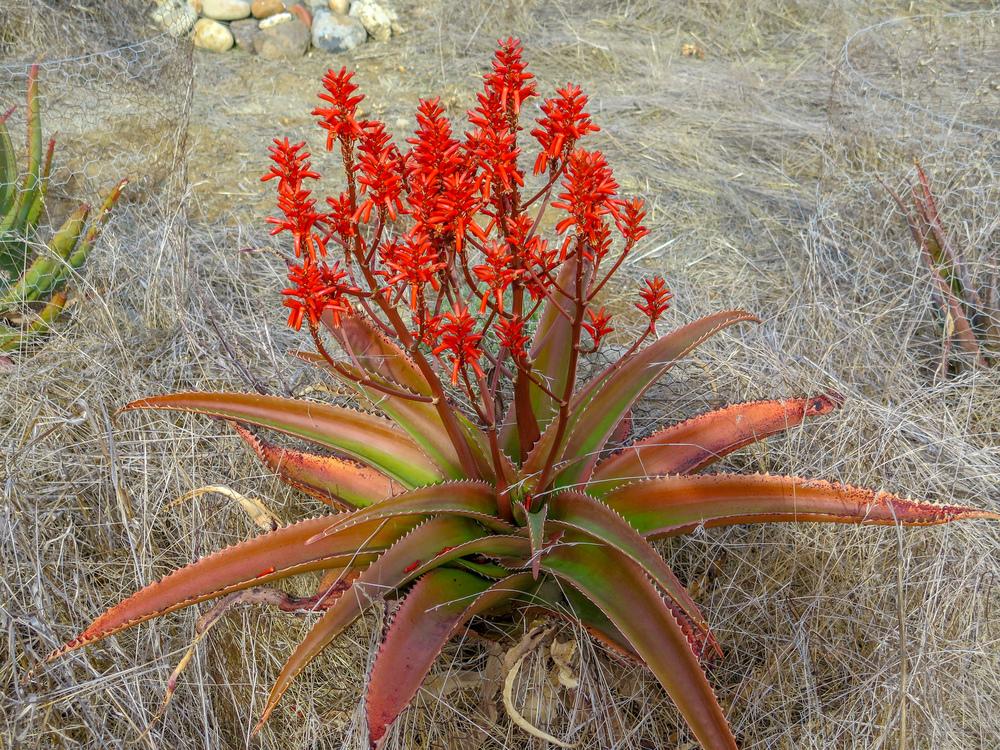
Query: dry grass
[[759, 165]]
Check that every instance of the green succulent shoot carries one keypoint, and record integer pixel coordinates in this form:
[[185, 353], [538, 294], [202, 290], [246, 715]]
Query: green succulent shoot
[[33, 272]]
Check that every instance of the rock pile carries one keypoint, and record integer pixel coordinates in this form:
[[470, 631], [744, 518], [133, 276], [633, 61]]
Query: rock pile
[[278, 29]]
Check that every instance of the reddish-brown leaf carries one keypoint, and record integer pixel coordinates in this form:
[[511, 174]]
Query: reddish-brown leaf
[[365, 437], [269, 557], [338, 482], [423, 549], [436, 609], [695, 443], [666, 506], [624, 593]]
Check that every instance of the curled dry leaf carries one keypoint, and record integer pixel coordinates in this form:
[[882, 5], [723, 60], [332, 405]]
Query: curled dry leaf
[[255, 508]]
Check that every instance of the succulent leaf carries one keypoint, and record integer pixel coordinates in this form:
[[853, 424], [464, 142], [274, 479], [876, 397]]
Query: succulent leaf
[[620, 589], [695, 443], [398, 565], [366, 437], [418, 419], [438, 606], [667, 506], [339, 482], [584, 514], [471, 499], [604, 401], [269, 557]]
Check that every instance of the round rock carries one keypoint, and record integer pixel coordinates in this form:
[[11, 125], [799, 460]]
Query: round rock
[[339, 6], [212, 35], [225, 10], [284, 41], [266, 8], [376, 19], [244, 32], [275, 20], [333, 32]]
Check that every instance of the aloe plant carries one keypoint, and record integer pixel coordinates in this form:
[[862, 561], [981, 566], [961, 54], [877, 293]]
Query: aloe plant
[[971, 315], [487, 475], [30, 281]]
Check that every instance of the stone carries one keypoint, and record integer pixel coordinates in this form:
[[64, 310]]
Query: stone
[[212, 35], [333, 32], [175, 17], [339, 6], [225, 10], [266, 8], [276, 20], [244, 32], [302, 14], [314, 4], [376, 19], [195, 5], [284, 41]]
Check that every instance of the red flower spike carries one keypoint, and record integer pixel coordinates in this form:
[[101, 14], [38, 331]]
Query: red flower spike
[[291, 168], [413, 263], [456, 207], [426, 327], [505, 88], [628, 219], [512, 337], [339, 119], [315, 289], [495, 152], [535, 255], [380, 171], [341, 220], [497, 273], [459, 340], [589, 190], [565, 121], [655, 299], [598, 326]]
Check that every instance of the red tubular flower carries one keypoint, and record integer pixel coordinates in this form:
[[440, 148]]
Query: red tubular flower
[[340, 219], [493, 145], [380, 167], [338, 120], [456, 208], [459, 339], [505, 87], [535, 256], [565, 121], [628, 219], [315, 289], [511, 335], [434, 157], [655, 299], [291, 168], [495, 152], [413, 263], [497, 272], [588, 195], [598, 326]]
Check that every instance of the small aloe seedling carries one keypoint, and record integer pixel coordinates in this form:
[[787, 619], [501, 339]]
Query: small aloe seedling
[[487, 475], [31, 282], [971, 317]]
